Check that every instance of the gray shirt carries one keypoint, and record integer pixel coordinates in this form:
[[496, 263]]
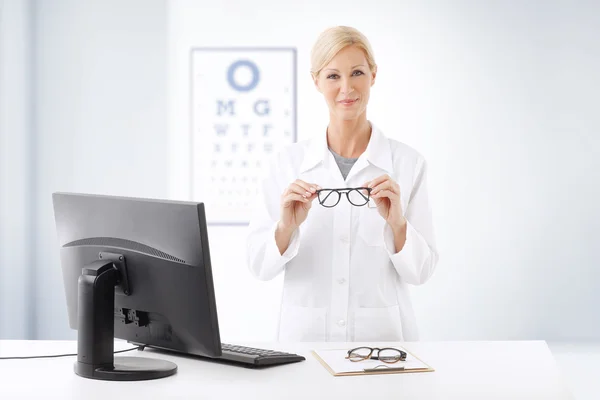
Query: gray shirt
[[345, 164]]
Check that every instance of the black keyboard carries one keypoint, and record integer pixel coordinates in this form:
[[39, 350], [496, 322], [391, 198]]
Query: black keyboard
[[257, 357]]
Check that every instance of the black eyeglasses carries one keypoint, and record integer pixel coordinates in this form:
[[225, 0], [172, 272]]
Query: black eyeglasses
[[388, 355], [356, 196]]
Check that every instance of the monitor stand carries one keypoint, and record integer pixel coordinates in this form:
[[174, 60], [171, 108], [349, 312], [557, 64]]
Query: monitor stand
[[96, 326]]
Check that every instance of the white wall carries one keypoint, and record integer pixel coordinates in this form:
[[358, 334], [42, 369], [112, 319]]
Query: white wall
[[500, 97], [100, 121], [16, 223]]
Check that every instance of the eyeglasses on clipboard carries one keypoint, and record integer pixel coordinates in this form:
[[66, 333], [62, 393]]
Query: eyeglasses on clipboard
[[387, 355]]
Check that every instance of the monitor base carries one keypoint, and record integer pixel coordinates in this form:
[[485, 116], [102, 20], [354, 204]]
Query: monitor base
[[128, 369]]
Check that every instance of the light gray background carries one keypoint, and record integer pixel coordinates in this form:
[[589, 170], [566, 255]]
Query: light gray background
[[500, 96]]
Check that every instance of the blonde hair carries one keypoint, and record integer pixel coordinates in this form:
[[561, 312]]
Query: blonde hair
[[334, 39]]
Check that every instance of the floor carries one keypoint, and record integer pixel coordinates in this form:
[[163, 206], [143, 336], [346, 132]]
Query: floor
[[580, 365]]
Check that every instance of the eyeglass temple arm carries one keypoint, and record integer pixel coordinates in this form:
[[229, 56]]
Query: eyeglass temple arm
[[366, 198], [328, 194]]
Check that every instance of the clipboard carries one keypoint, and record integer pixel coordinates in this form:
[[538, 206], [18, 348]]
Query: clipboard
[[335, 362]]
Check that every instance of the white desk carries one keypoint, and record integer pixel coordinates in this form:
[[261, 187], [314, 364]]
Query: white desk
[[464, 370]]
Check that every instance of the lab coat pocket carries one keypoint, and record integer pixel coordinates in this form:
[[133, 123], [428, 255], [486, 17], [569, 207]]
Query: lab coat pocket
[[303, 324], [377, 324], [370, 226]]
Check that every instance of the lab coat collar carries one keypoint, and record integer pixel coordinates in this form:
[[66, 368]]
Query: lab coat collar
[[378, 151]]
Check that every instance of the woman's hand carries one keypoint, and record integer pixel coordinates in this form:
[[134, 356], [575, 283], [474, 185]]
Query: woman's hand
[[296, 201], [386, 193]]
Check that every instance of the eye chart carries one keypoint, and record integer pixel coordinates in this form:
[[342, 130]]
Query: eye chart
[[243, 108]]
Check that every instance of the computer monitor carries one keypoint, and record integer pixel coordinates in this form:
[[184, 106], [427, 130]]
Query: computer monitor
[[139, 270]]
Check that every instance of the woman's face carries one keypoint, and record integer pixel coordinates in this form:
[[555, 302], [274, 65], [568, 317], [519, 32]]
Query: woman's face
[[346, 83]]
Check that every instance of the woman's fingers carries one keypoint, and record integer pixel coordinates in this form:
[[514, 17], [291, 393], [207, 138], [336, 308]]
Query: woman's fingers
[[388, 184], [377, 181], [308, 187], [385, 193], [291, 197], [382, 186], [301, 190]]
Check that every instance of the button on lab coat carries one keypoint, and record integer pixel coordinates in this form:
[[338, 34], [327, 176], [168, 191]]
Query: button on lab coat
[[343, 279]]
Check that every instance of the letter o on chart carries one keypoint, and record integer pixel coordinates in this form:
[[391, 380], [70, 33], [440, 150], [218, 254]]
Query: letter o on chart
[[231, 78]]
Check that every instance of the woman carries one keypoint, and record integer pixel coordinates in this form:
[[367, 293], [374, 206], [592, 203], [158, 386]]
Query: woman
[[347, 265]]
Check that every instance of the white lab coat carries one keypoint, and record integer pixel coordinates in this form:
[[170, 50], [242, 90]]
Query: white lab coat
[[343, 279]]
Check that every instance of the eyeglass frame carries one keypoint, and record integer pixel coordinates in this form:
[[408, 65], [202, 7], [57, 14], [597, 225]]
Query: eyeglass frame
[[345, 191], [370, 356]]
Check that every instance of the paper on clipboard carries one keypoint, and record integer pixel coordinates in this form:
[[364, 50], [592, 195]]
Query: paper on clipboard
[[336, 363]]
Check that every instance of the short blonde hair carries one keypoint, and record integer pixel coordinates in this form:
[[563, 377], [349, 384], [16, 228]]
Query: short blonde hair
[[334, 39]]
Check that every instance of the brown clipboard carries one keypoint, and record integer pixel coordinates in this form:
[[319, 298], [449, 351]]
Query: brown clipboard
[[381, 371]]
